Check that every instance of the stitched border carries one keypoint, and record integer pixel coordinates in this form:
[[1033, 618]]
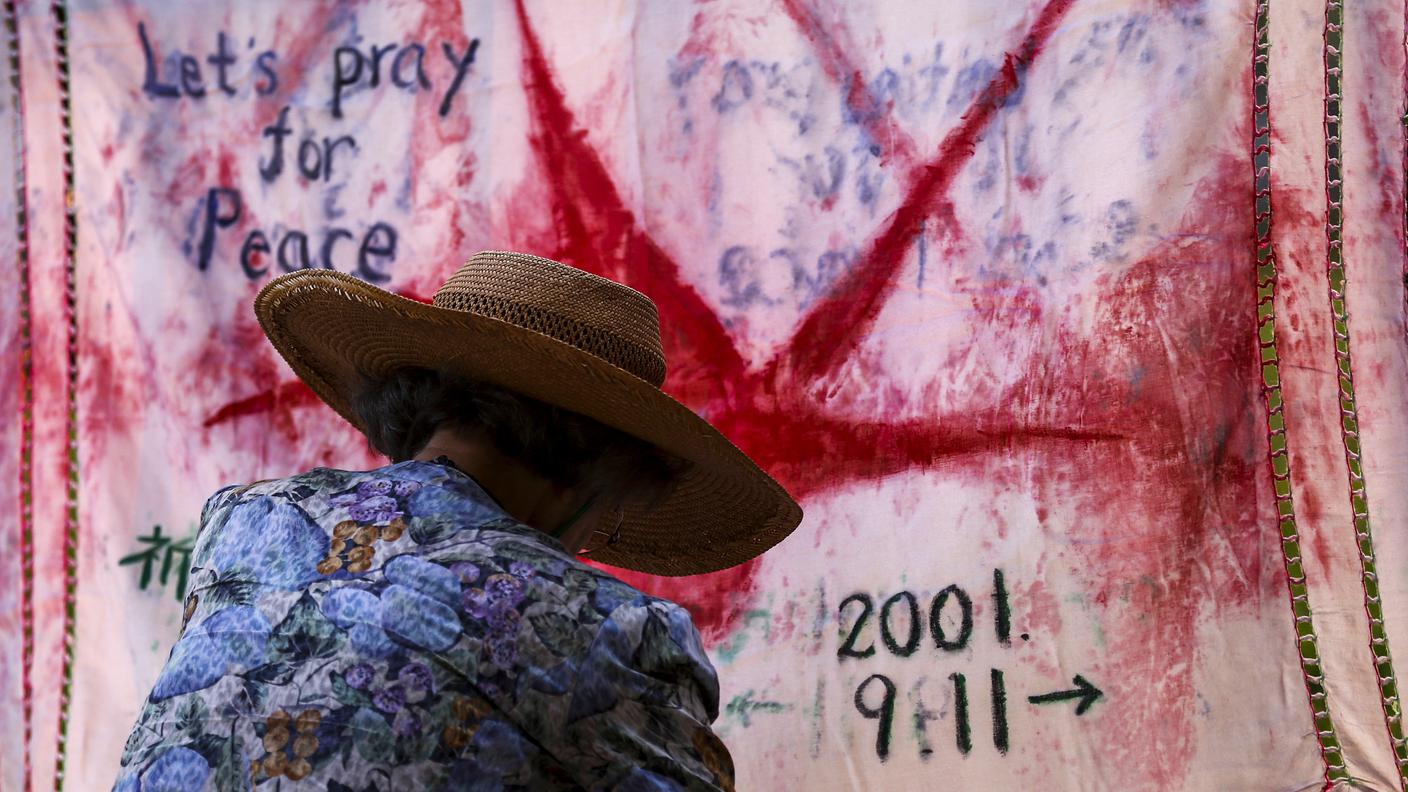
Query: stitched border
[[70, 237], [26, 375], [1266, 278], [1349, 413]]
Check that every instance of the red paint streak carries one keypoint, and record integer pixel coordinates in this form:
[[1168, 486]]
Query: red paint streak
[[442, 22], [869, 450], [1376, 75], [118, 201], [835, 326], [1312, 517], [285, 394], [1172, 522], [697, 46], [1388, 182], [599, 233], [188, 178], [115, 387], [284, 409], [228, 173], [1039, 616], [833, 43], [308, 44]]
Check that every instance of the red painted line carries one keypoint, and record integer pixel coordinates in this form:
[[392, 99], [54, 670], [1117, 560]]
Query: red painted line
[[294, 392], [835, 325], [599, 233], [832, 45], [789, 443]]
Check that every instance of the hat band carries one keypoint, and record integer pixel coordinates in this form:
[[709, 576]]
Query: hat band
[[611, 347]]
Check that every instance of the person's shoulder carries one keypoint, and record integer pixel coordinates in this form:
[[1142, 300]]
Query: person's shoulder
[[592, 598], [396, 479], [653, 637], [652, 627], [224, 497], [317, 478], [294, 489], [603, 593]]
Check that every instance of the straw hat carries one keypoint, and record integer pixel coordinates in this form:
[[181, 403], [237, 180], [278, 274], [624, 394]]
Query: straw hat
[[559, 335]]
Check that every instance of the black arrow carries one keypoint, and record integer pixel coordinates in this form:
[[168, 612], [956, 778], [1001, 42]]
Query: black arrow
[[1086, 692]]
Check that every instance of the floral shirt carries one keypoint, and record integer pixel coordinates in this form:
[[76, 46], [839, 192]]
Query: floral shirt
[[396, 629]]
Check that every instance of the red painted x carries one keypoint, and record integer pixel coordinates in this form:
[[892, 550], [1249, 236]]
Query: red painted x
[[769, 411]]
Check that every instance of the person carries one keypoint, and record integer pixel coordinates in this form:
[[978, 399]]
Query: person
[[429, 624]]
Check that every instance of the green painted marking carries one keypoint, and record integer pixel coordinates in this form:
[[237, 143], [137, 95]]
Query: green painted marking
[[744, 707]]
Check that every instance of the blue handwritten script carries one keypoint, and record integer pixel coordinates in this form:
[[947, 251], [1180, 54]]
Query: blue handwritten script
[[290, 149]]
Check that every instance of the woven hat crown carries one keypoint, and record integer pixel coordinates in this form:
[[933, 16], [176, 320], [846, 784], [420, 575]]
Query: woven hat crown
[[601, 317]]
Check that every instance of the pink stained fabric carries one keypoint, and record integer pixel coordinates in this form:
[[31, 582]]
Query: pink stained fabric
[[978, 283]]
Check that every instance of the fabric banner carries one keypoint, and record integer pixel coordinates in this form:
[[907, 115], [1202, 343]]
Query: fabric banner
[[13, 389], [1076, 327]]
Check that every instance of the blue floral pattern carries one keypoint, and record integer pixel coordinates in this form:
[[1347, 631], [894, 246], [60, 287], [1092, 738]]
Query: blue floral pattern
[[395, 629]]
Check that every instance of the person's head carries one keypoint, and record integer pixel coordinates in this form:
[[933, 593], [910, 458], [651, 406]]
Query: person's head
[[546, 333], [579, 459]]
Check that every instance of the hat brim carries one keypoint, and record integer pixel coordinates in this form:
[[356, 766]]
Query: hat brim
[[335, 330]]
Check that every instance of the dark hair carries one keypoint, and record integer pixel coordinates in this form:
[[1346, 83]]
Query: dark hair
[[402, 410]]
